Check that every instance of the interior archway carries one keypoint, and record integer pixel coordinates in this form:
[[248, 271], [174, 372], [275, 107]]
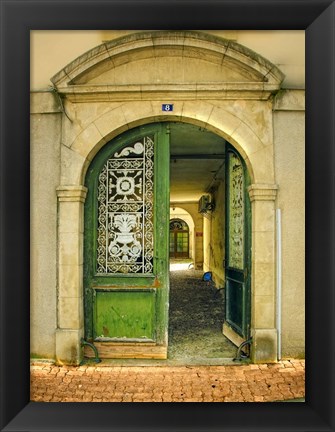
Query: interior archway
[[179, 214]]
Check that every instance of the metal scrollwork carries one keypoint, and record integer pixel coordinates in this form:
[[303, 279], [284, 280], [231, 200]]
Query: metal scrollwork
[[236, 210], [125, 211]]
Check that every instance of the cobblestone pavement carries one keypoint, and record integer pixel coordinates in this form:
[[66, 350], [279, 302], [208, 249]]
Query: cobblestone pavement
[[105, 383]]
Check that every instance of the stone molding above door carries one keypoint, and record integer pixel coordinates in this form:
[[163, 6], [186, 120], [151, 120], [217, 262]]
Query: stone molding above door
[[124, 66]]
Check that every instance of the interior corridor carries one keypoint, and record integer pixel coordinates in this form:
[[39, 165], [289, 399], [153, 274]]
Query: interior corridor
[[195, 318]]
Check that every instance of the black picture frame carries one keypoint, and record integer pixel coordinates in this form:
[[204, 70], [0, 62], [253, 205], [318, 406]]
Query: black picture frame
[[317, 17]]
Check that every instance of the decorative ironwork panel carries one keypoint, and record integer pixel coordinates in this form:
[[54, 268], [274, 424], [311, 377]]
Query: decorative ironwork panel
[[236, 213], [125, 211]]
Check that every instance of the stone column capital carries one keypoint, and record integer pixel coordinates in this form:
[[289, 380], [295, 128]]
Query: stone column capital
[[262, 192], [72, 193]]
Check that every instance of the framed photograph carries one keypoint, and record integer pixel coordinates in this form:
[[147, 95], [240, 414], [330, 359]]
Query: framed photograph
[[110, 238]]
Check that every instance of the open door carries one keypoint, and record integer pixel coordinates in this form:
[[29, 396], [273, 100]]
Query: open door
[[126, 246], [238, 250]]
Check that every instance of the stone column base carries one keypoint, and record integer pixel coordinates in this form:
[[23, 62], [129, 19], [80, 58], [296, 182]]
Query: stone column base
[[68, 348], [264, 346]]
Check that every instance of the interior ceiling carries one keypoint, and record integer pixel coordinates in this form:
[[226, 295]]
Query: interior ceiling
[[197, 161]]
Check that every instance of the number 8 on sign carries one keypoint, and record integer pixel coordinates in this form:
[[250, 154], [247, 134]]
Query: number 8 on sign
[[167, 107]]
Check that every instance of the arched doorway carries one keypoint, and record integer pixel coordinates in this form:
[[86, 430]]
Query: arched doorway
[[195, 258], [240, 111], [179, 239], [126, 226]]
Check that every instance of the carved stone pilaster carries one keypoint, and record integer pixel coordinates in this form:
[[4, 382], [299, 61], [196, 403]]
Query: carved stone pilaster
[[262, 192], [72, 193], [264, 348], [70, 315]]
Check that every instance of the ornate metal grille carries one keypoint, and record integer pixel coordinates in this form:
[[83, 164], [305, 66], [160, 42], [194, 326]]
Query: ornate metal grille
[[125, 211], [236, 211]]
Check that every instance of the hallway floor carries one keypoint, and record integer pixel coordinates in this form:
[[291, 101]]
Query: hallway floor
[[195, 319]]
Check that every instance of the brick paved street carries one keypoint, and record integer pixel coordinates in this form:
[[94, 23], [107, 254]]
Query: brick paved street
[[106, 383]]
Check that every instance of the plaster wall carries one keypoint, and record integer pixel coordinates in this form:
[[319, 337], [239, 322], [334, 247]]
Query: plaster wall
[[214, 238], [289, 141], [44, 174]]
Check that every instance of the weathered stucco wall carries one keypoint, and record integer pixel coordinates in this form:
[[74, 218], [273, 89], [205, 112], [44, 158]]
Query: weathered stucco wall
[[44, 175], [289, 141], [214, 240]]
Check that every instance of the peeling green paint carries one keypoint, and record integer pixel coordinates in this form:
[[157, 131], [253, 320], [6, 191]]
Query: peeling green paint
[[129, 307], [238, 270], [124, 315]]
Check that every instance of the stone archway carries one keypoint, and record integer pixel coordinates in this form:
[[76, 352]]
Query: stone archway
[[193, 222], [239, 111]]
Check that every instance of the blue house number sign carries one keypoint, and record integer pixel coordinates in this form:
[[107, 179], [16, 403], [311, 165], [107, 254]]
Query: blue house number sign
[[167, 107]]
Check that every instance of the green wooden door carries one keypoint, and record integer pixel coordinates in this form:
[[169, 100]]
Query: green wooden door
[[126, 244], [238, 250]]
